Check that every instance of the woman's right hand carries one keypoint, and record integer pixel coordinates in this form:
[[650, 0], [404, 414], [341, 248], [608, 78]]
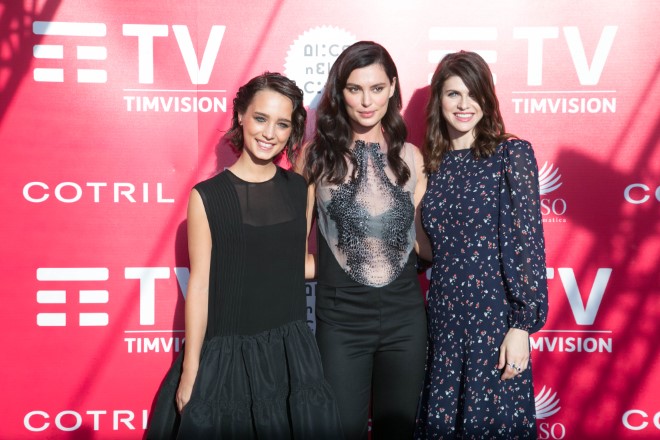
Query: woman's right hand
[[185, 390]]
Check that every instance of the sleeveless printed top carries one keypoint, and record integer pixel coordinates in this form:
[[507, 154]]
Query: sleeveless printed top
[[368, 221]]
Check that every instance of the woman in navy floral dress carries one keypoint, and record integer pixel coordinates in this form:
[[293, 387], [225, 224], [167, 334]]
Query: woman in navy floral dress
[[488, 287]]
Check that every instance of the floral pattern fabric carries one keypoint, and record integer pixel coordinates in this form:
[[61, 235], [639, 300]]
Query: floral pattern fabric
[[484, 221]]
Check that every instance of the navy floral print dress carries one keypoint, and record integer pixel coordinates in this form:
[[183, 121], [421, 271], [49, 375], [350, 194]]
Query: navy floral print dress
[[484, 221]]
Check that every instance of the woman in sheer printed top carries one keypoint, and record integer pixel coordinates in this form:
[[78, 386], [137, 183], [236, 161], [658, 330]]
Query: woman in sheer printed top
[[366, 183]]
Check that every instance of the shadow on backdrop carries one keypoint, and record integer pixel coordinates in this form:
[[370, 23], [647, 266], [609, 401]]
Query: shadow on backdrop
[[17, 41], [415, 115]]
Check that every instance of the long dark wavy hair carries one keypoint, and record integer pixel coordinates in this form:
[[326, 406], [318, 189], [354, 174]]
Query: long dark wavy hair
[[282, 85], [477, 77], [326, 156]]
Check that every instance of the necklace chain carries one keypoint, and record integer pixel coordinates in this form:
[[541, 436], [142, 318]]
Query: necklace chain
[[460, 157]]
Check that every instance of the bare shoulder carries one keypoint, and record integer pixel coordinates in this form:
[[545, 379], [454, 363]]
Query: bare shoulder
[[301, 159], [196, 203], [412, 150]]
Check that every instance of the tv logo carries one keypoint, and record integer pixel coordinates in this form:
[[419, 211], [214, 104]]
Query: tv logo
[[147, 277], [56, 51], [451, 35], [59, 319], [588, 73], [145, 33]]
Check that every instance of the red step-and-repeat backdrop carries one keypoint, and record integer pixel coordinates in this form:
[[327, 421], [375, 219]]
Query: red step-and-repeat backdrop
[[111, 110]]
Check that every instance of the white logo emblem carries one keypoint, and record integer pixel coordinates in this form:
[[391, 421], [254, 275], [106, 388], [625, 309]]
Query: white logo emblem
[[548, 179], [447, 36], [311, 56], [59, 296], [56, 51], [546, 404]]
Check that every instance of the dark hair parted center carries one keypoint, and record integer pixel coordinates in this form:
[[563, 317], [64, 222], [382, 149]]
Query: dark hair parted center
[[477, 77], [327, 155]]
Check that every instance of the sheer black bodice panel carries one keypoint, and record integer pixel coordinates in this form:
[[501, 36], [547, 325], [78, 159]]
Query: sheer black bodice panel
[[256, 283]]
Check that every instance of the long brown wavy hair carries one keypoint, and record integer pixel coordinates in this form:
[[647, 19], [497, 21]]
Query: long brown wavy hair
[[477, 77], [326, 156]]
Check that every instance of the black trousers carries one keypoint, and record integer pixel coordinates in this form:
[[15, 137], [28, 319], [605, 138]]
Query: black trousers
[[373, 348]]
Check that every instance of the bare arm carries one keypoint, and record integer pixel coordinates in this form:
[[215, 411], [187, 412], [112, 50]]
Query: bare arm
[[422, 243], [310, 259], [199, 250]]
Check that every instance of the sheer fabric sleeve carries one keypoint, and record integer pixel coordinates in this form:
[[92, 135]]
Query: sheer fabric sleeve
[[521, 241]]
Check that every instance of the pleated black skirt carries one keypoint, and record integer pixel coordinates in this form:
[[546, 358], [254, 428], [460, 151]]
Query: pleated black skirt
[[265, 386]]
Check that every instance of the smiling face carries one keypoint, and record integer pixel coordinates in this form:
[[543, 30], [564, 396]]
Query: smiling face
[[266, 125], [366, 94], [461, 111]]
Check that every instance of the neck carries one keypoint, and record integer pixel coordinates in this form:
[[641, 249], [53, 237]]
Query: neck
[[369, 134], [253, 171], [462, 141]]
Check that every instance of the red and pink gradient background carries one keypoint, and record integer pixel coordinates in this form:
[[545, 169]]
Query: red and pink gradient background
[[596, 359]]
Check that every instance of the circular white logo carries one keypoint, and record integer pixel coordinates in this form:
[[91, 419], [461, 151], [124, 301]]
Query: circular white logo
[[311, 56]]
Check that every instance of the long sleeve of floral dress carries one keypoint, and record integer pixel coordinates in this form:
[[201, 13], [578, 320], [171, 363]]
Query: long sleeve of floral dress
[[521, 241]]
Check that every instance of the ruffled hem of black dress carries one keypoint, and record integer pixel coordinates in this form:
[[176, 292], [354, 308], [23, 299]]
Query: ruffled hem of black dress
[[266, 386]]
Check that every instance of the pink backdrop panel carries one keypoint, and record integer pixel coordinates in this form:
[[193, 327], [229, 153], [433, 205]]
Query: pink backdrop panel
[[110, 111]]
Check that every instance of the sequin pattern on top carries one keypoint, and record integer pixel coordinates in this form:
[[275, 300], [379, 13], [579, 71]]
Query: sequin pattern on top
[[368, 220]]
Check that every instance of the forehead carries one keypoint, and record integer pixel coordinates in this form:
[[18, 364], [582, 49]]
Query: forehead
[[454, 83], [271, 102], [372, 74]]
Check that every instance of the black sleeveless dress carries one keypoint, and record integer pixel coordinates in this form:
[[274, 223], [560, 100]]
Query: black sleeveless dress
[[260, 373]]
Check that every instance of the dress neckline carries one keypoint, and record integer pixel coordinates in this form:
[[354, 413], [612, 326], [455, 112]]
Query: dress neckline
[[277, 171], [235, 176], [362, 145]]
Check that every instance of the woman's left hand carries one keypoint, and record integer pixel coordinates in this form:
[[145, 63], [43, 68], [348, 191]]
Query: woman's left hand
[[514, 353]]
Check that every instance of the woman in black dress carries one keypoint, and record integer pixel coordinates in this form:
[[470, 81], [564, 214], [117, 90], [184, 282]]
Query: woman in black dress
[[250, 368], [488, 287], [367, 183]]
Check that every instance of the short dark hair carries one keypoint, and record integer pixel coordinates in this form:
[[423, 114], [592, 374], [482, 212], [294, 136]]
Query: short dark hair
[[282, 85]]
